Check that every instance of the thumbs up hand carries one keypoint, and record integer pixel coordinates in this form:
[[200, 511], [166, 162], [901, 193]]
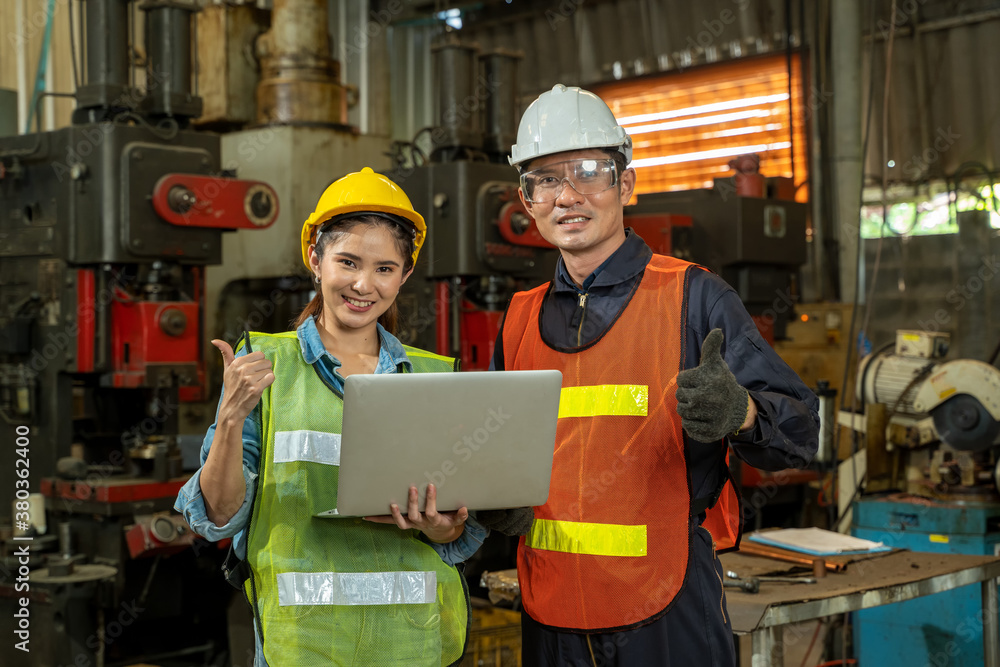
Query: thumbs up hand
[[244, 381], [710, 402]]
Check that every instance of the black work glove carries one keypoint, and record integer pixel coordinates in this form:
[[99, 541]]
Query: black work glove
[[515, 521], [710, 402]]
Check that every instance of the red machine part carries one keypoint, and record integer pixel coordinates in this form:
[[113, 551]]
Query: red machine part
[[751, 477], [656, 230], [149, 333], [443, 303], [479, 332], [188, 200], [518, 228], [159, 535], [196, 393], [110, 489], [85, 315]]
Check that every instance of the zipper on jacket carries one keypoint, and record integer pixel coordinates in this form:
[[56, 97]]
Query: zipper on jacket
[[722, 585], [583, 315]]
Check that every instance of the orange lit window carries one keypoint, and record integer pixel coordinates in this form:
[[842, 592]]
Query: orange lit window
[[687, 126]]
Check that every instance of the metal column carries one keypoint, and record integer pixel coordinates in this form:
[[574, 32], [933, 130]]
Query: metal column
[[991, 640]]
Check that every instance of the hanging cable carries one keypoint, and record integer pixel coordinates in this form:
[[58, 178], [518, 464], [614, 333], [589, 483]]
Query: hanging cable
[[72, 49], [834, 519]]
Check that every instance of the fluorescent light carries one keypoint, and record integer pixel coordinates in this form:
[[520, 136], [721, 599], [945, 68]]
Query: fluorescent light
[[708, 155], [696, 122], [705, 108], [739, 131]]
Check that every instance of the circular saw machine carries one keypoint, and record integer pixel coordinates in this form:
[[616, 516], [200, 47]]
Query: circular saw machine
[[943, 417]]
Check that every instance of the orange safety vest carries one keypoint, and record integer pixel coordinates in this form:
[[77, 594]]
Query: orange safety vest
[[609, 550]]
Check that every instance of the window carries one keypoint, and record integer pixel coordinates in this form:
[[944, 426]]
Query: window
[[930, 212], [687, 126]]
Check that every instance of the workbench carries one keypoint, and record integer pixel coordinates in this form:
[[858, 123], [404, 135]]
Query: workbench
[[888, 578]]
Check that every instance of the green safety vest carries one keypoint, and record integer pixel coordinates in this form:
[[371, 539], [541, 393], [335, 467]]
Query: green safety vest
[[337, 591]]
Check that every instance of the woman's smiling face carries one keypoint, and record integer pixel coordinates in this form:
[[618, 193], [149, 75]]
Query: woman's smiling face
[[361, 272]]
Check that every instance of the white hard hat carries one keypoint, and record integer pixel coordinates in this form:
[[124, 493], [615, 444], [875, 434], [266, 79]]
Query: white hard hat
[[568, 119]]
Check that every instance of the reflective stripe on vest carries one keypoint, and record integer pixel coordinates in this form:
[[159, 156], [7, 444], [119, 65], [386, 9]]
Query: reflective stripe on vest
[[604, 400], [312, 446], [354, 588], [594, 539]]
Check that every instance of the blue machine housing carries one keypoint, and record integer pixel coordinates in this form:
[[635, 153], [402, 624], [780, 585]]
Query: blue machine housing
[[941, 630]]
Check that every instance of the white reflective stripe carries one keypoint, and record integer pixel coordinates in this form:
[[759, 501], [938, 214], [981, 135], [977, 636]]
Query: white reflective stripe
[[356, 588], [312, 446]]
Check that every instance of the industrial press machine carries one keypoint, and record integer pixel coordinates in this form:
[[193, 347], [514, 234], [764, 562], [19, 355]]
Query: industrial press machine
[[107, 228]]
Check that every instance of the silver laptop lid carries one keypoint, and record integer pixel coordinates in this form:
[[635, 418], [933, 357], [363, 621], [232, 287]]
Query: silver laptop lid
[[484, 439]]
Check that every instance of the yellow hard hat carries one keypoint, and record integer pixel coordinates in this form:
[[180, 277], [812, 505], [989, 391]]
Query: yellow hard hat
[[363, 192]]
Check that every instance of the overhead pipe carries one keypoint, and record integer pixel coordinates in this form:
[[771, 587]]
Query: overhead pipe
[[300, 81], [169, 61], [456, 71], [106, 81], [500, 76], [846, 159]]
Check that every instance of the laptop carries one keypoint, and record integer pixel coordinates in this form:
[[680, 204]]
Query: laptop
[[484, 439]]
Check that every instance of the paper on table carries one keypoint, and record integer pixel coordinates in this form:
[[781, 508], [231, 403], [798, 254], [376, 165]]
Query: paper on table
[[817, 541]]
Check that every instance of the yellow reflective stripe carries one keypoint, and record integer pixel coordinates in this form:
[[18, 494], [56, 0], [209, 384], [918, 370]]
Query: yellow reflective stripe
[[592, 539], [600, 400]]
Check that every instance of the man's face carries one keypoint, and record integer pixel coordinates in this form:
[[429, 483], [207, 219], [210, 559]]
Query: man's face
[[576, 222]]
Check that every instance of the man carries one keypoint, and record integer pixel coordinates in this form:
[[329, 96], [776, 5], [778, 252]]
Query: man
[[663, 370]]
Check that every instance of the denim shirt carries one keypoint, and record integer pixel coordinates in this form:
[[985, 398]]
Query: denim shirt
[[191, 504]]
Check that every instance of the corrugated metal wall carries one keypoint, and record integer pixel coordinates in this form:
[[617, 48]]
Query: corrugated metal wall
[[923, 285], [944, 104], [580, 43]]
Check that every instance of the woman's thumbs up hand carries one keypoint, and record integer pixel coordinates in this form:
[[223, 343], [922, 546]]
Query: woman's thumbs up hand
[[244, 380]]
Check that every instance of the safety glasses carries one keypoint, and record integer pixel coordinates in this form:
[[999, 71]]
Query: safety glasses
[[587, 176]]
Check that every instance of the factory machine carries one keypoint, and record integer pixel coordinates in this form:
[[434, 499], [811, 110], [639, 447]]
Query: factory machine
[[482, 245], [107, 228], [748, 229], [932, 477]]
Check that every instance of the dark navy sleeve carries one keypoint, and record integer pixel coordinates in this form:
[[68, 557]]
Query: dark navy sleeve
[[786, 433]]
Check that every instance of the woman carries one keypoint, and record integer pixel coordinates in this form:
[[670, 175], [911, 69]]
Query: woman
[[332, 591]]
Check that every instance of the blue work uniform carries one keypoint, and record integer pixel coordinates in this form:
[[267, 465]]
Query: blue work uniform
[[696, 629]]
